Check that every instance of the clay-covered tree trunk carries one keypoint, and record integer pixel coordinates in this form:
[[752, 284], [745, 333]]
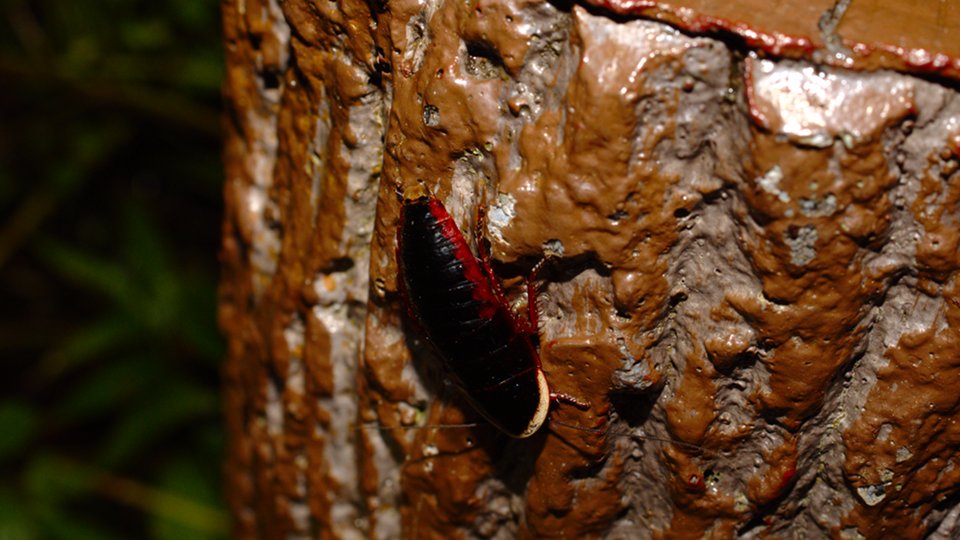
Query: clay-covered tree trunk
[[753, 214]]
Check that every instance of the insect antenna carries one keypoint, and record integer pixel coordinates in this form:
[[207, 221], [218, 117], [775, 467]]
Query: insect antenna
[[373, 426], [595, 431]]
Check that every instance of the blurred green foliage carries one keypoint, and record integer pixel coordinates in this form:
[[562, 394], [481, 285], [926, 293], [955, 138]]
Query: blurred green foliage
[[110, 208]]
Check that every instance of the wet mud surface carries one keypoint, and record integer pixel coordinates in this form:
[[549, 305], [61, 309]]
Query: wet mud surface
[[754, 278]]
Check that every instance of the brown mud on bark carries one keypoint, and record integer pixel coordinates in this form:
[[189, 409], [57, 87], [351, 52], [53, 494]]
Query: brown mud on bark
[[754, 214]]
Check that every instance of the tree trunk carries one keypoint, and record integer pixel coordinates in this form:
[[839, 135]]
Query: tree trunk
[[753, 214]]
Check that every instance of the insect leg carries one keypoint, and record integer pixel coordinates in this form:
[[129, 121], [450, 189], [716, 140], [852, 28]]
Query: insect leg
[[533, 312], [557, 397], [483, 254]]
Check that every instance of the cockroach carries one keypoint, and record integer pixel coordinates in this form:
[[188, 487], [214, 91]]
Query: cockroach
[[457, 302]]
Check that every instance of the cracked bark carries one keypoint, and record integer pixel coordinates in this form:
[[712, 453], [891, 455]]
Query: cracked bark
[[757, 289]]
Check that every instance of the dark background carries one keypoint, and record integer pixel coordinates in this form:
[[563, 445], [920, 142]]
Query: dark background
[[110, 208]]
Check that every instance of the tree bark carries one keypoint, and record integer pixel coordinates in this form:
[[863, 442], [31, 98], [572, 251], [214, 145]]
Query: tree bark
[[754, 220]]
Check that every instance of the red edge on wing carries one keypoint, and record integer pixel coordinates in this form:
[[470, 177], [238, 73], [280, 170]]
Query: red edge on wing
[[482, 292]]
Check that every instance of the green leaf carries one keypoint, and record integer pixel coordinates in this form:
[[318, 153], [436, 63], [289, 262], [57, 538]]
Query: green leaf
[[18, 424], [193, 14], [143, 248], [162, 309], [82, 53], [191, 508], [146, 34], [107, 389], [146, 254], [157, 415], [198, 323], [211, 443], [92, 342], [50, 479], [203, 71], [88, 270], [15, 522]]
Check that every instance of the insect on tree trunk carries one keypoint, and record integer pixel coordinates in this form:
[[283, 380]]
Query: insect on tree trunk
[[752, 216]]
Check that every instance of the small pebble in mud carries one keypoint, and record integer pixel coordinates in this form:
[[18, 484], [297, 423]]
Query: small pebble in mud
[[431, 116], [872, 495]]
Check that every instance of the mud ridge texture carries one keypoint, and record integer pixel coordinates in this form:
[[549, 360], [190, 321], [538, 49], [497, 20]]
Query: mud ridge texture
[[754, 280]]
